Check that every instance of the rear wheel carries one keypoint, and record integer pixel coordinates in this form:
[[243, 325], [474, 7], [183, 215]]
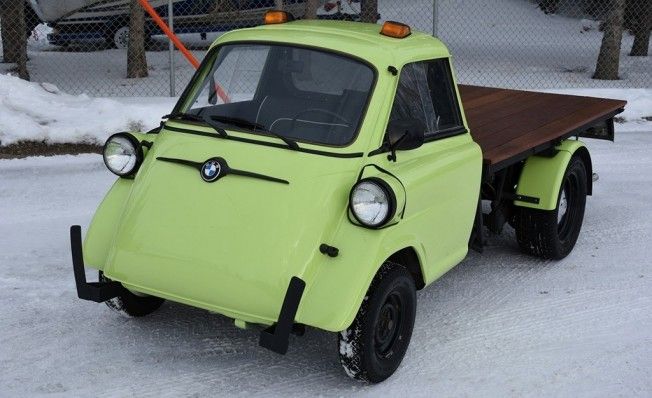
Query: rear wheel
[[372, 348], [132, 305], [552, 234]]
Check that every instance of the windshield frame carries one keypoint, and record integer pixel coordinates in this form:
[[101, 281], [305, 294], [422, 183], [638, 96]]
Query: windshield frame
[[205, 67]]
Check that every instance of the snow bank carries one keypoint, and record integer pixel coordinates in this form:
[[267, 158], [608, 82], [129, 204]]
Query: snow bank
[[638, 112], [41, 112]]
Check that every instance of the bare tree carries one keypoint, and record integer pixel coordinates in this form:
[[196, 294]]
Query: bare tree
[[369, 11], [609, 57], [311, 9], [14, 35], [642, 28], [136, 58], [549, 6]]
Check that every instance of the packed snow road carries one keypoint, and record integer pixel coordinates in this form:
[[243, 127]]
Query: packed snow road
[[500, 324]]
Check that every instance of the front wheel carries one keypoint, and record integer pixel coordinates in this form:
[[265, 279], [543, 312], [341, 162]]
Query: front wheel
[[552, 234], [132, 305], [372, 348]]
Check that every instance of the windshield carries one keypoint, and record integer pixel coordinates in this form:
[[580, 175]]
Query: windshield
[[302, 94]]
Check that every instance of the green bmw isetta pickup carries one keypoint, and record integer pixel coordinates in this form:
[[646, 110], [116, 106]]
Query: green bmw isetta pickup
[[318, 173]]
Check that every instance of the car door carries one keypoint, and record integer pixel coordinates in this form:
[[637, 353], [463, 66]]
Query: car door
[[442, 177]]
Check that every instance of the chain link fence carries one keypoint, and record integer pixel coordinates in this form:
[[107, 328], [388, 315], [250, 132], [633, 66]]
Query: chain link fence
[[85, 46]]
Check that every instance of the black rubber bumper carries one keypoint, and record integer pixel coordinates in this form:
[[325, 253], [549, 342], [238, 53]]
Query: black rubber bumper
[[92, 291], [277, 336]]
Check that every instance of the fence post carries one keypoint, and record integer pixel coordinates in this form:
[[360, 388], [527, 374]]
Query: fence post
[[435, 15], [171, 49]]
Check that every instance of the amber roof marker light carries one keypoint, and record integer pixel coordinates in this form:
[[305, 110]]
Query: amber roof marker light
[[274, 17], [396, 30]]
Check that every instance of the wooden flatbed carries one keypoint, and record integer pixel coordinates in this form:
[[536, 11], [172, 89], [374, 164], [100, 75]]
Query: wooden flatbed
[[510, 125]]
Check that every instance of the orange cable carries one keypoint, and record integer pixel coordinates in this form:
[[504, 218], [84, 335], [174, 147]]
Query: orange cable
[[178, 44]]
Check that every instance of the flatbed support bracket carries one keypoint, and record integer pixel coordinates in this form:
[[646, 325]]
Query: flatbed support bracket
[[522, 198], [476, 241]]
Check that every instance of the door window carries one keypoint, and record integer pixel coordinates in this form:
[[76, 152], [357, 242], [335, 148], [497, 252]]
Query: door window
[[425, 92]]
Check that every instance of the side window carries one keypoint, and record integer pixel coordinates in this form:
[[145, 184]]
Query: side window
[[425, 92], [440, 82]]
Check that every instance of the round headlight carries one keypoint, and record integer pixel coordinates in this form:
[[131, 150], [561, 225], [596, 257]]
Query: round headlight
[[372, 202], [123, 154]]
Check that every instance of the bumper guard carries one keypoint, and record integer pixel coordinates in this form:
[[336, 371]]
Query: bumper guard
[[92, 291], [277, 336]]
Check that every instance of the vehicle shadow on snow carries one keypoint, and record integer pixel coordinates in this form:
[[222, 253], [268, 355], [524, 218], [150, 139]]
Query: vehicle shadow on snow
[[206, 343]]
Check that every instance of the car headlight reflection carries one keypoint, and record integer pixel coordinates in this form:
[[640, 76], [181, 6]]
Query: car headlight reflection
[[372, 202], [123, 154]]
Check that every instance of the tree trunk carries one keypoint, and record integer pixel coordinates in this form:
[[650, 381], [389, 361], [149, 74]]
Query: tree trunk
[[369, 11], [14, 36], [311, 9], [4, 31], [549, 6], [136, 59], [642, 30], [609, 57]]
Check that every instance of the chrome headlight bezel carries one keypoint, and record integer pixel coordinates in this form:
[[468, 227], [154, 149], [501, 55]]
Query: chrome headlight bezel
[[137, 149], [390, 198]]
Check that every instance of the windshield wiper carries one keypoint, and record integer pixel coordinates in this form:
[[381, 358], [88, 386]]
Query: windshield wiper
[[255, 127], [197, 118]]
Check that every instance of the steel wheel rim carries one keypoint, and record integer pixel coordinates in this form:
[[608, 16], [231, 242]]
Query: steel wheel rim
[[563, 206], [388, 325], [121, 38], [568, 219]]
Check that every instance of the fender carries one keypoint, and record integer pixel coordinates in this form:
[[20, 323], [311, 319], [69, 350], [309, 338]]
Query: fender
[[337, 286], [101, 230], [542, 176]]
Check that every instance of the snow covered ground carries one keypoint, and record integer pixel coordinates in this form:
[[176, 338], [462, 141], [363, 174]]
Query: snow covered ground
[[511, 43], [500, 324]]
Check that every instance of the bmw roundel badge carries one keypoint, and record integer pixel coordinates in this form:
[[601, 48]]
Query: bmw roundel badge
[[211, 170]]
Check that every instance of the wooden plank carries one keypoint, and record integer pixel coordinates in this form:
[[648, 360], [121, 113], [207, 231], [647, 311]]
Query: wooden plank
[[507, 123], [470, 92], [543, 134], [484, 116], [491, 114], [486, 100], [527, 121]]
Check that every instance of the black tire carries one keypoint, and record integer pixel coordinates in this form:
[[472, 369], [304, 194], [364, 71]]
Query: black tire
[[552, 234], [131, 305], [372, 348]]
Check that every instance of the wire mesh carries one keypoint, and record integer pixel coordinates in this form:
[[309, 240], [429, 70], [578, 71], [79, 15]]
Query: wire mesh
[[82, 45]]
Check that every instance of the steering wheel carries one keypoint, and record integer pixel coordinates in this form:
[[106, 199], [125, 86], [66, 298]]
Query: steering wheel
[[318, 110]]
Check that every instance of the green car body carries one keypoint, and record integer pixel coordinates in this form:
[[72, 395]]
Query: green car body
[[233, 246]]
